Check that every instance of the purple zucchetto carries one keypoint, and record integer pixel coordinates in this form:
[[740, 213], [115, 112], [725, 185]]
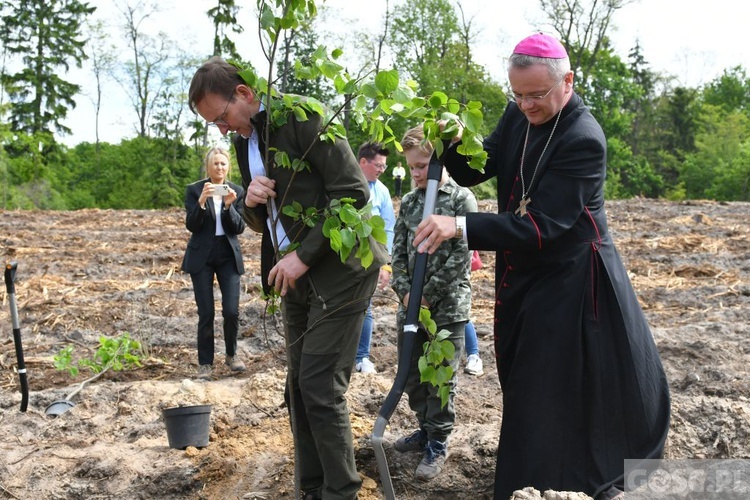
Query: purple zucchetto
[[541, 45]]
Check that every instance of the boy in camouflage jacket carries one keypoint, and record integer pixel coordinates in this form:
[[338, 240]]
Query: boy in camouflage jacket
[[446, 292]]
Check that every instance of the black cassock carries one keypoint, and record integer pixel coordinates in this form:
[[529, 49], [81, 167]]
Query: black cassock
[[583, 385]]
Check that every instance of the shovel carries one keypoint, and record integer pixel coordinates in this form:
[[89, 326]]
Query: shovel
[[411, 324], [10, 274]]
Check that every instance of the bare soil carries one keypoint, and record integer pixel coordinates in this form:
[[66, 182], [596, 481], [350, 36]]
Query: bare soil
[[90, 273]]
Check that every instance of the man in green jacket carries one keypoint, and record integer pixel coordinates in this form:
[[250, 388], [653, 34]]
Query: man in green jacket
[[323, 300]]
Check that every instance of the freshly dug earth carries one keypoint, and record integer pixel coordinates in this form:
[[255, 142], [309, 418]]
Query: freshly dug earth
[[92, 273]]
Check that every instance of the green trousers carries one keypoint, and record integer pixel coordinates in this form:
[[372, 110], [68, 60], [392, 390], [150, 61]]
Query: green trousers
[[324, 337]]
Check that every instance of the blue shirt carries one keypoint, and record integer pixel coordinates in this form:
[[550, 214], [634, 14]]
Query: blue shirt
[[382, 205]]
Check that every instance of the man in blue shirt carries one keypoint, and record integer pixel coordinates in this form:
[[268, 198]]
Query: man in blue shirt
[[372, 160]]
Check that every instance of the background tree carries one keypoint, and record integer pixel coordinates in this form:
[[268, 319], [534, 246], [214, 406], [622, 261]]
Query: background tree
[[103, 61], [299, 45], [730, 91], [46, 34], [423, 38], [224, 17], [145, 72], [582, 27]]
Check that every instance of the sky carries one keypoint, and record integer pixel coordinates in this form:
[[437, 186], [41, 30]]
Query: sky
[[695, 45]]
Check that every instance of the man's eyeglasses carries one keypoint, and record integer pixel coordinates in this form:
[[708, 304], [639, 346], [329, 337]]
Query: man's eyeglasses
[[532, 99], [219, 122], [381, 166]]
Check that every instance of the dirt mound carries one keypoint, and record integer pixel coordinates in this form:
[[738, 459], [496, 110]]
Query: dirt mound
[[89, 273]]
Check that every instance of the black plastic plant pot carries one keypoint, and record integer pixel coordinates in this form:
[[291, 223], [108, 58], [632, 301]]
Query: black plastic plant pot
[[187, 426]]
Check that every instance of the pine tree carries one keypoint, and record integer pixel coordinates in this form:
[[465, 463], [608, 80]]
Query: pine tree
[[45, 35]]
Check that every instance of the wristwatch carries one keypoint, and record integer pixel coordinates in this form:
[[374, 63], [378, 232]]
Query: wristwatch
[[460, 227]]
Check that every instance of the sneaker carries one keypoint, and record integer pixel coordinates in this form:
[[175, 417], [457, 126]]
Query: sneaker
[[236, 365], [433, 462], [474, 365], [365, 366], [204, 372], [416, 441]]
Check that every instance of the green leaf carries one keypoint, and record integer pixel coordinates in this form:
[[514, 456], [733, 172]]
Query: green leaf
[[404, 95], [453, 106], [386, 104], [336, 241], [378, 229], [330, 226], [349, 215], [448, 349], [370, 90], [442, 335], [300, 114], [426, 320], [348, 238], [364, 254], [330, 69], [473, 120], [363, 230], [387, 81], [438, 99], [444, 393], [443, 375], [428, 374]]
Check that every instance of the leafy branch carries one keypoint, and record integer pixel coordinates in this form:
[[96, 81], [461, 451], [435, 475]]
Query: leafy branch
[[372, 101], [119, 353], [438, 351]]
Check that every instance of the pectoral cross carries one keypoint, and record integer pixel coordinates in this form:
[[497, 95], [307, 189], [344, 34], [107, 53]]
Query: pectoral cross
[[522, 206]]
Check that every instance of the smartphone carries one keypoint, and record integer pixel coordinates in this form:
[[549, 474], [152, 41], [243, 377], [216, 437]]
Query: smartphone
[[221, 189]]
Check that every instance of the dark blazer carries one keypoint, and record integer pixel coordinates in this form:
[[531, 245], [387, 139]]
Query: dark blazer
[[202, 224]]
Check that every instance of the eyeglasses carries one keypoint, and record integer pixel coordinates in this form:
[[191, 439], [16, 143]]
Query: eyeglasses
[[381, 166], [219, 122], [532, 99]]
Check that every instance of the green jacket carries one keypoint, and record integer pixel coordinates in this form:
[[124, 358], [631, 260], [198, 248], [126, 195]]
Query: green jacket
[[333, 173]]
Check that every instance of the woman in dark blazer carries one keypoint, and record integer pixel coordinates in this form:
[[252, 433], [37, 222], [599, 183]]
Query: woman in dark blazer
[[213, 208]]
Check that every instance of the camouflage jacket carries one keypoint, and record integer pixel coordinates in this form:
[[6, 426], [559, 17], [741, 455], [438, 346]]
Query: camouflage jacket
[[446, 287]]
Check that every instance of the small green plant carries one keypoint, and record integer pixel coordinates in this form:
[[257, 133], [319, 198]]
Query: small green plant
[[437, 352], [119, 353], [64, 361]]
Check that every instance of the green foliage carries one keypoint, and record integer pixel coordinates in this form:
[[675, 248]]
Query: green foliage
[[346, 227], [118, 353], [63, 361], [660, 143], [718, 168], [422, 36], [46, 34], [629, 175], [486, 190], [272, 300], [224, 17], [730, 91], [438, 351]]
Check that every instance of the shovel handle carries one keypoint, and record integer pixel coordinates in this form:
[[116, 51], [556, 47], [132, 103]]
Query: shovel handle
[[10, 275]]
